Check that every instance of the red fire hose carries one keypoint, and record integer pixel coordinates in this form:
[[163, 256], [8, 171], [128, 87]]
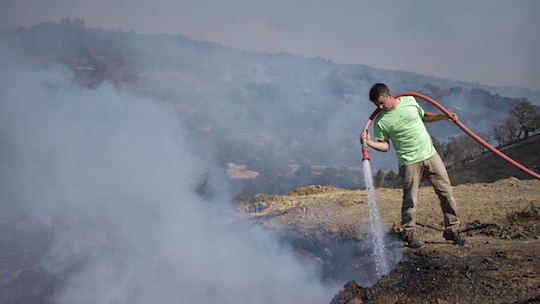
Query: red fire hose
[[365, 150], [459, 124]]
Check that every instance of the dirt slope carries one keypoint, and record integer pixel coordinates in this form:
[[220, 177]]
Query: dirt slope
[[488, 167], [501, 265]]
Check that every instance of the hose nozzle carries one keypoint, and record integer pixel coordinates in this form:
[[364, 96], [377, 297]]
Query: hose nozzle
[[365, 150]]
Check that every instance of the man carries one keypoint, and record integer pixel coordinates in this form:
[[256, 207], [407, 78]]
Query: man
[[401, 120]]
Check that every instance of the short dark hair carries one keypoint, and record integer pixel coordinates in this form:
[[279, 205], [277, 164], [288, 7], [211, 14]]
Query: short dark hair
[[377, 90]]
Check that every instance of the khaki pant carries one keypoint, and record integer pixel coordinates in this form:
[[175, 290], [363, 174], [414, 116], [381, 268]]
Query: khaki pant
[[434, 171]]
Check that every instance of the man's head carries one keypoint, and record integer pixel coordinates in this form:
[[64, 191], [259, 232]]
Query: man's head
[[381, 97], [378, 90]]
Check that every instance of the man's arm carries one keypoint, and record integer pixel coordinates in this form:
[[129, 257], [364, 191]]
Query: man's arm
[[431, 117], [381, 145]]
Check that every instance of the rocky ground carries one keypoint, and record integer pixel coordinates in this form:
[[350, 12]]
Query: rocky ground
[[500, 265]]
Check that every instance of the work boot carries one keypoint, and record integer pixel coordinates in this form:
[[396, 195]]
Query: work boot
[[412, 239], [456, 237]]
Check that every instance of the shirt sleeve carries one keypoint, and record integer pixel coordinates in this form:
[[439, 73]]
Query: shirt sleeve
[[379, 134], [421, 111]]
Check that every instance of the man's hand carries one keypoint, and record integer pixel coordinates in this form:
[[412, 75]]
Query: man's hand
[[364, 136], [454, 117], [380, 145]]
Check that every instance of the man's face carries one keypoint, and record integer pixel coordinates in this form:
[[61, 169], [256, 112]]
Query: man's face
[[384, 102]]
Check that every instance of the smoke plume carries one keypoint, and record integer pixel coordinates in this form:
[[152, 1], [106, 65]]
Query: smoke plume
[[115, 173]]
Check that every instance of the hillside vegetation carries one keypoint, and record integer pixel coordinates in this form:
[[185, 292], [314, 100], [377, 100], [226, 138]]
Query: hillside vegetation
[[266, 112]]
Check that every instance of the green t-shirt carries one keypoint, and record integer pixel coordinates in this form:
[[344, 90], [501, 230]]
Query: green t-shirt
[[404, 126]]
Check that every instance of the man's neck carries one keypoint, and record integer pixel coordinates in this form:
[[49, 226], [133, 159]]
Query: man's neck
[[395, 103]]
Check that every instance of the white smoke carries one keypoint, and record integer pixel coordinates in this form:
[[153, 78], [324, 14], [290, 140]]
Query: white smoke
[[116, 173]]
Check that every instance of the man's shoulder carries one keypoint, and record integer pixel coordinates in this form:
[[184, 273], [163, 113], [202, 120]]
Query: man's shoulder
[[407, 99]]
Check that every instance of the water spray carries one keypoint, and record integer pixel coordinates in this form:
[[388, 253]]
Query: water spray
[[376, 225]]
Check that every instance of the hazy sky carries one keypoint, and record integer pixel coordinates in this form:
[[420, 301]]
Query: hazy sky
[[494, 42]]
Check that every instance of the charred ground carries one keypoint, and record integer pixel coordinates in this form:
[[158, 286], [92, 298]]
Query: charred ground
[[501, 265]]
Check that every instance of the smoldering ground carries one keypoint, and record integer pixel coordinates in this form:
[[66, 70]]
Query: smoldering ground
[[115, 173]]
